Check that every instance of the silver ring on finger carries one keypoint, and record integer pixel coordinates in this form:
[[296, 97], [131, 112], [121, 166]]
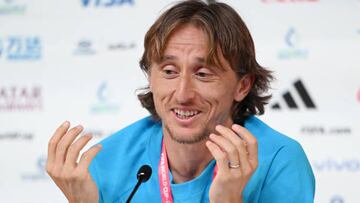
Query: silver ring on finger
[[233, 166]]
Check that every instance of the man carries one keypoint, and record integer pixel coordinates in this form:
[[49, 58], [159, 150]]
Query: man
[[205, 87]]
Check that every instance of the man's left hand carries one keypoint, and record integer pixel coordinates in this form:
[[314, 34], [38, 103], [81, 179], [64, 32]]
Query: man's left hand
[[236, 153]]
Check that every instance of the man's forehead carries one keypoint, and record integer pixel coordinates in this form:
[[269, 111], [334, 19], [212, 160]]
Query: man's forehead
[[188, 32]]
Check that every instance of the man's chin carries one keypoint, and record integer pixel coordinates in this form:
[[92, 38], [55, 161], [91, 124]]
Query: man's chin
[[186, 136], [188, 140]]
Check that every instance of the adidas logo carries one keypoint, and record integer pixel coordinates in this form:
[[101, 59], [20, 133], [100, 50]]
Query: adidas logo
[[301, 94]]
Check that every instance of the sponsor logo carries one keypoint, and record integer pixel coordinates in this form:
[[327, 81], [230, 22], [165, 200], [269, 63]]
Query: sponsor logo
[[293, 49], [26, 136], [358, 95], [17, 48], [106, 3], [10, 7], [337, 199], [289, 100], [39, 174], [333, 165], [84, 47], [121, 46], [320, 130], [104, 103], [289, 1], [13, 98]]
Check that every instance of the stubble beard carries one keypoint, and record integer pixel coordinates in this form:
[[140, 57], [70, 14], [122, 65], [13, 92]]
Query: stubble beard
[[194, 139]]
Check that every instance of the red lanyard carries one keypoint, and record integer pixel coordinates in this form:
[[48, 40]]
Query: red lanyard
[[165, 189]]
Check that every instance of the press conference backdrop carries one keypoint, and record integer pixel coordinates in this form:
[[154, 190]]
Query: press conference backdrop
[[77, 60]]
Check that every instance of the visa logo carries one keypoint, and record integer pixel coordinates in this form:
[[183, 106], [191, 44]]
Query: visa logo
[[332, 165], [106, 3]]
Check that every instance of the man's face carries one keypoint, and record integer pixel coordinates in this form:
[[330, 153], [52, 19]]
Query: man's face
[[191, 97]]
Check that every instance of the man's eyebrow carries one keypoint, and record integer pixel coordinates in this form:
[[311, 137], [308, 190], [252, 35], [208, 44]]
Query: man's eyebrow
[[174, 58], [168, 58]]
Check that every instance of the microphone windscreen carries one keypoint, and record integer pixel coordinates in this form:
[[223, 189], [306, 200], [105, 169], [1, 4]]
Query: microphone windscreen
[[144, 173]]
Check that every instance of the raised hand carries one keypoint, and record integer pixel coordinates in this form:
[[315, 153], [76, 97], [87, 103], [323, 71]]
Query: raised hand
[[72, 177], [236, 153]]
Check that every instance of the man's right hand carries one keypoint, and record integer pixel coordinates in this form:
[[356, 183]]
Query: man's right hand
[[72, 177]]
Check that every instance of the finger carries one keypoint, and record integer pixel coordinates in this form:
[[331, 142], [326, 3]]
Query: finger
[[240, 145], [74, 150], [53, 142], [225, 145], [88, 156], [219, 156], [65, 142], [252, 144]]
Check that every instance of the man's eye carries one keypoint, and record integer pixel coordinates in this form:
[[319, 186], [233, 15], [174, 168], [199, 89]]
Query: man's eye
[[202, 74], [169, 72]]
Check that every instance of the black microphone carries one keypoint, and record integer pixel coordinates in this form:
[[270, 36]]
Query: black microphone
[[142, 175]]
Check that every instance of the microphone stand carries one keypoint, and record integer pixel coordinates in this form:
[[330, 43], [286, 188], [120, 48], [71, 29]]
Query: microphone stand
[[134, 190], [143, 175]]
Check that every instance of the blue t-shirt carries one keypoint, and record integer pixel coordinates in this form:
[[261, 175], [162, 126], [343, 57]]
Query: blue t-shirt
[[283, 174]]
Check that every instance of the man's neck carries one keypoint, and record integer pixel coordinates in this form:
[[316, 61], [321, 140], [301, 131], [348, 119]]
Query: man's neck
[[186, 161]]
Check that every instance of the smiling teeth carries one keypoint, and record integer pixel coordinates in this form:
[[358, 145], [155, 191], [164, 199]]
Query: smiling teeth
[[185, 113]]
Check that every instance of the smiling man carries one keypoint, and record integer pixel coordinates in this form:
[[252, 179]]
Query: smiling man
[[202, 139]]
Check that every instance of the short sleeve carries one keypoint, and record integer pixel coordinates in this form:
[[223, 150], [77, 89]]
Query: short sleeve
[[290, 177]]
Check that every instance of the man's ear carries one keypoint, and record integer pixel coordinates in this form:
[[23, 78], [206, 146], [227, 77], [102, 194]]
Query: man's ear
[[243, 87]]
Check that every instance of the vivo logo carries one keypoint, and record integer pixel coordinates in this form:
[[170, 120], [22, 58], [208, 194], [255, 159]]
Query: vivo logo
[[332, 165], [106, 3]]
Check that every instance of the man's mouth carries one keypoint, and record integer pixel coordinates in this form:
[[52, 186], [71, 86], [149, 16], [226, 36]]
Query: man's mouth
[[185, 114]]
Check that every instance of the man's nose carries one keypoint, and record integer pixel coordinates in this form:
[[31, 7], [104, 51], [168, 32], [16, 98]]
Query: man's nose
[[185, 90]]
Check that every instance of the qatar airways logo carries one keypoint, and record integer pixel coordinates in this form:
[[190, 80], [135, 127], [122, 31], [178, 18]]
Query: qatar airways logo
[[289, 1], [18, 98]]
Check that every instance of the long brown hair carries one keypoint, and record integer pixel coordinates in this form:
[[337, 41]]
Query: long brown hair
[[225, 30]]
